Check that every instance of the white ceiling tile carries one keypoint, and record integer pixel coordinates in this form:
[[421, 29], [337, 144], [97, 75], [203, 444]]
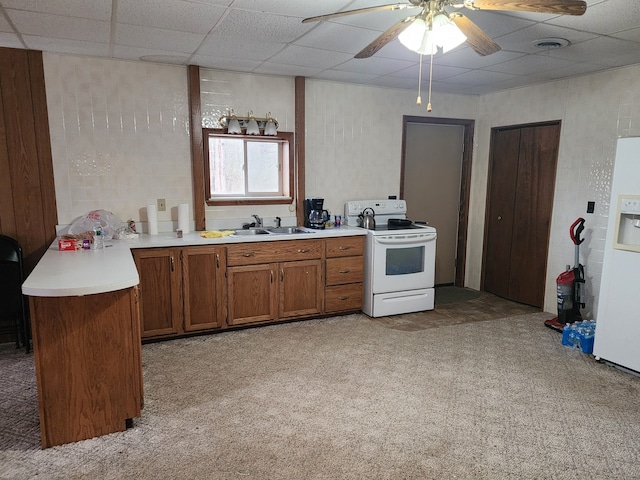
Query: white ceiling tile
[[233, 64], [293, 8], [340, 38], [603, 18], [375, 66], [57, 26], [595, 50], [261, 26], [155, 38], [310, 57], [479, 77], [94, 9], [523, 41], [531, 65], [58, 45], [186, 16], [272, 68], [249, 49], [136, 53], [10, 40], [345, 77]]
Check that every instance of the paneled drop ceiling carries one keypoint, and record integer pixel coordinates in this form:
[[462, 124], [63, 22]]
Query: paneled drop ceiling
[[267, 37]]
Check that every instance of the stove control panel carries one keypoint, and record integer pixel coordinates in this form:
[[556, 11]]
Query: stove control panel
[[380, 207]]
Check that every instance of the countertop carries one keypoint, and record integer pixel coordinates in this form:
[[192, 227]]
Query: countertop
[[87, 272]]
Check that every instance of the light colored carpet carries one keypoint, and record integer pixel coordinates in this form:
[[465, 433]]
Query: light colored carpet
[[350, 398]]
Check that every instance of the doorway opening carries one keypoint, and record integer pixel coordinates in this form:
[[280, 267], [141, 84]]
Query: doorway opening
[[418, 170]]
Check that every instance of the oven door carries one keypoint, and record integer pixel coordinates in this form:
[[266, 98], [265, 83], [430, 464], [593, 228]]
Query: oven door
[[403, 261]]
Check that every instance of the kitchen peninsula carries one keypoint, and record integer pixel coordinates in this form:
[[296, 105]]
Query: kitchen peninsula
[[90, 309]]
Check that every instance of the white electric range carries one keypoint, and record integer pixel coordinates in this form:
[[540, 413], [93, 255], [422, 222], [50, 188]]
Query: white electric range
[[399, 259]]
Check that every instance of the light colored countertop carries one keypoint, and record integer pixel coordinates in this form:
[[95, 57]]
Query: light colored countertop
[[87, 272]]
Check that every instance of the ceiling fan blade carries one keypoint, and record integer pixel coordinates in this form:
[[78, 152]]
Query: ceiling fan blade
[[385, 38], [561, 7], [476, 38], [393, 6]]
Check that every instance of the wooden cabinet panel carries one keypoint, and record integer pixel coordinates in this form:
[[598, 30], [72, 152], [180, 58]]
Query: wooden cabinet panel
[[160, 299], [252, 294], [204, 287], [88, 364], [345, 246], [273, 252], [344, 270], [341, 298], [301, 288]]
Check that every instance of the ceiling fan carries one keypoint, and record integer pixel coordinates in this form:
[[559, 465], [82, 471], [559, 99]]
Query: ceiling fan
[[479, 41]]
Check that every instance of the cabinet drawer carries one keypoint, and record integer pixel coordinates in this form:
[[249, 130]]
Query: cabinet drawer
[[343, 297], [344, 270], [272, 252], [345, 246]]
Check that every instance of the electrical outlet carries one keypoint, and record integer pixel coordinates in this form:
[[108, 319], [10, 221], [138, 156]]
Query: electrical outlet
[[162, 205], [591, 206]]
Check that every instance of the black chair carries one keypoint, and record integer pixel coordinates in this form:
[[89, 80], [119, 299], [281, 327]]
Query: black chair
[[12, 302]]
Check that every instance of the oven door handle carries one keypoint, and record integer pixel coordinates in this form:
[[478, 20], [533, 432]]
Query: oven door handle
[[405, 239]]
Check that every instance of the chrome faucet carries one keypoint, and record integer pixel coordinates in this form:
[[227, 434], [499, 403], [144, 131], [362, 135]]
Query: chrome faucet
[[258, 220], [278, 220]]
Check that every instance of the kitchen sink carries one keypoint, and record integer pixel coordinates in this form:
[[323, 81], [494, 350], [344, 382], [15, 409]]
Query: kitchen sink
[[287, 230], [251, 231], [272, 230]]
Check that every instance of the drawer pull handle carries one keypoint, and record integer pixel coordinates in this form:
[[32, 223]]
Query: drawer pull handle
[[344, 248], [343, 298], [247, 254], [271, 276], [173, 266], [303, 250], [217, 260], [344, 271]]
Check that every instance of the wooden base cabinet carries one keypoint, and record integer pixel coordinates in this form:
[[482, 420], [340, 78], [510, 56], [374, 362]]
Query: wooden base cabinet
[[183, 289], [88, 361], [344, 276], [263, 287]]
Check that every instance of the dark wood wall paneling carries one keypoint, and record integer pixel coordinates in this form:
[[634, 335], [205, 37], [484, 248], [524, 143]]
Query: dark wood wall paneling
[[27, 192]]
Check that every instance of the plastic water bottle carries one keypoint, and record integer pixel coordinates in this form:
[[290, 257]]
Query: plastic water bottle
[[98, 237]]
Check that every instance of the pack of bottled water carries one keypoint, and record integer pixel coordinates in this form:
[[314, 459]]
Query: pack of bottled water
[[580, 335]]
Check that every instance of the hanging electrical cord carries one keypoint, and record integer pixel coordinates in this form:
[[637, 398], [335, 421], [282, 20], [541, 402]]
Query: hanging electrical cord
[[430, 80], [419, 100]]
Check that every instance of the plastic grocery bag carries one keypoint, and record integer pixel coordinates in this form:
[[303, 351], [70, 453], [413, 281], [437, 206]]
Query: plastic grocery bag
[[110, 223]]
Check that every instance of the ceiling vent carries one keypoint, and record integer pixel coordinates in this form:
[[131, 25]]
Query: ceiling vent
[[551, 43]]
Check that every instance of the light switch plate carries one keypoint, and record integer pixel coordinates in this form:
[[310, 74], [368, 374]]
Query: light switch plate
[[162, 205]]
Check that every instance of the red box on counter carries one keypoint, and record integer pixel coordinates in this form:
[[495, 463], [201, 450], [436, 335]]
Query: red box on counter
[[69, 244]]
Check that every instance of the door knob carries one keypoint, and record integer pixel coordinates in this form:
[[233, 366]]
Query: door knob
[[499, 217]]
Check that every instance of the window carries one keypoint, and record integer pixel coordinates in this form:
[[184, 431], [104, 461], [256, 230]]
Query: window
[[248, 169]]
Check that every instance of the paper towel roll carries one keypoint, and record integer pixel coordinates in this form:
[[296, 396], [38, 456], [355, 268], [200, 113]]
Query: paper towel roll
[[152, 219], [183, 217]]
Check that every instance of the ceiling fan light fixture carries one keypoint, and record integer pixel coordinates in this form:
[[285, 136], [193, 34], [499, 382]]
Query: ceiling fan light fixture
[[418, 37]]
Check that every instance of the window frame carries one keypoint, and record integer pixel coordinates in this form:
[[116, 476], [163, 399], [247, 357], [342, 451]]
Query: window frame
[[287, 137]]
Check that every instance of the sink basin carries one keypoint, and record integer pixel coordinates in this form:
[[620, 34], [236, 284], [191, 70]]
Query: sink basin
[[287, 230], [251, 231]]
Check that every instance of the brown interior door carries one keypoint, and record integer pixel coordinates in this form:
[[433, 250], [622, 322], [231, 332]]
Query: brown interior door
[[520, 203]]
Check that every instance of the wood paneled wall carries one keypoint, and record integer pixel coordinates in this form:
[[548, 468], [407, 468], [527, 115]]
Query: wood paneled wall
[[27, 193]]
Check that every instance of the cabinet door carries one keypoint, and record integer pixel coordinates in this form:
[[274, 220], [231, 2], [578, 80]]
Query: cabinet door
[[160, 296], [252, 293], [301, 288], [203, 287]]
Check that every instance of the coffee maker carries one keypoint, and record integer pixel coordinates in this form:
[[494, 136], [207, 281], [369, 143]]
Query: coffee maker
[[314, 215]]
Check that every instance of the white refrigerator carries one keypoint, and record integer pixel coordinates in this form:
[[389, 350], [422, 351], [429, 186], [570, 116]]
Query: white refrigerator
[[617, 338]]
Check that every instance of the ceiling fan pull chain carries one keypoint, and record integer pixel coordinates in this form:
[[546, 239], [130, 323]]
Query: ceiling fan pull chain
[[419, 100], [430, 80]]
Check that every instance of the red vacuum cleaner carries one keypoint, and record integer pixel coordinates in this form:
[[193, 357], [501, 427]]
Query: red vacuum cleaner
[[570, 285]]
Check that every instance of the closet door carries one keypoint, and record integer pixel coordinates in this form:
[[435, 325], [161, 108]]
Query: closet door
[[520, 203]]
